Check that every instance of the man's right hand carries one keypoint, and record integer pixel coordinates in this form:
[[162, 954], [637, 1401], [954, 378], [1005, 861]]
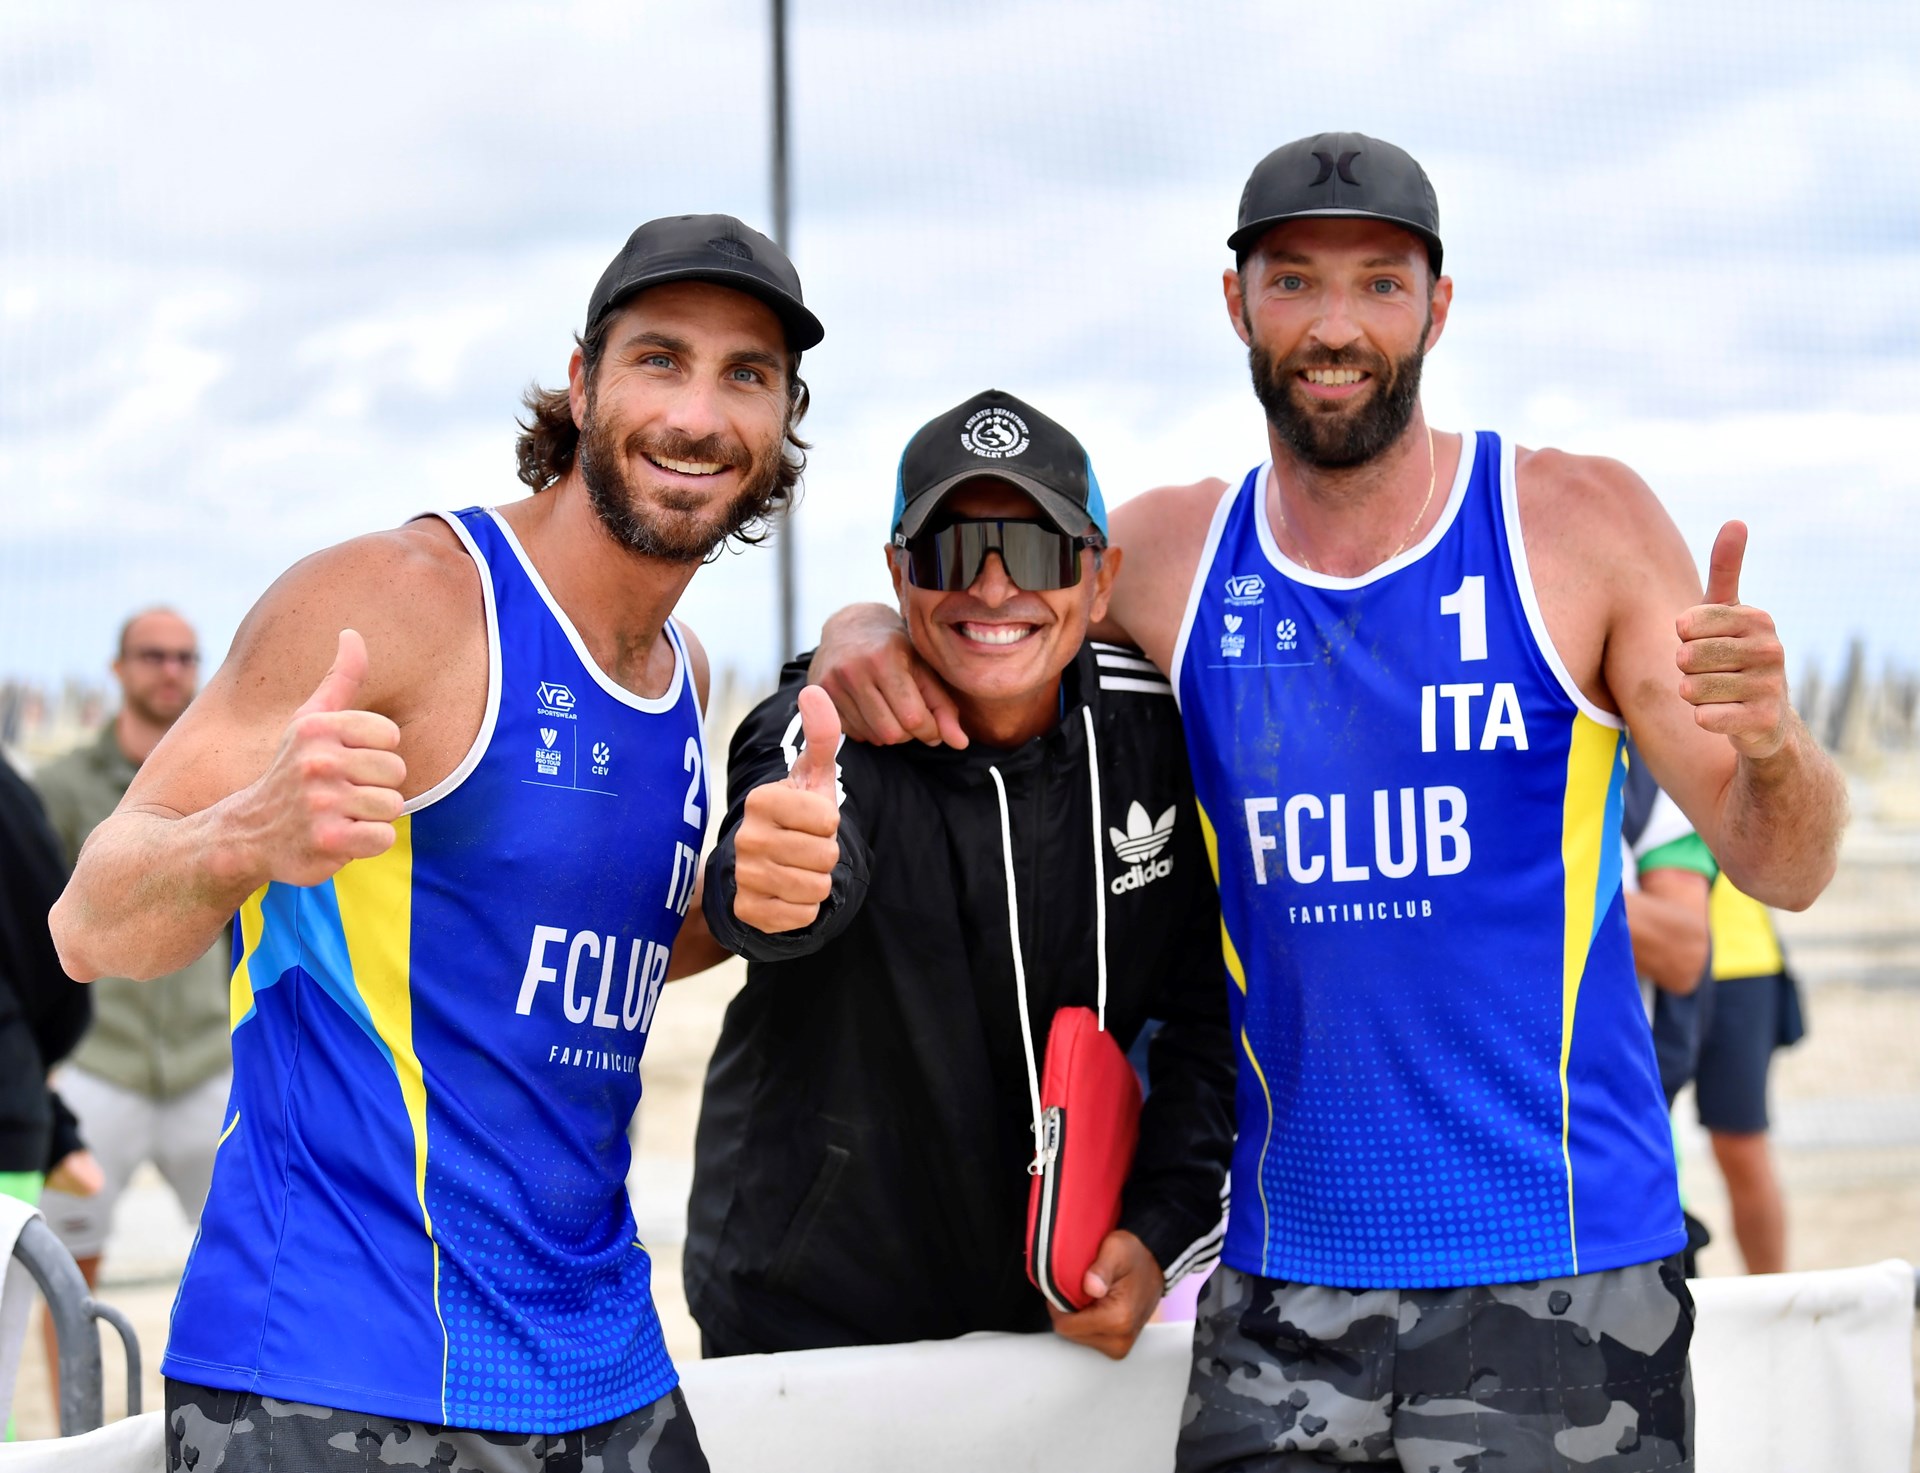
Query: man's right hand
[[885, 692], [333, 791], [785, 849]]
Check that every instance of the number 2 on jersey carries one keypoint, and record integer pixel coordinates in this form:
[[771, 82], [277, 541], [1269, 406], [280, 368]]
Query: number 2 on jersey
[[1469, 601], [691, 762]]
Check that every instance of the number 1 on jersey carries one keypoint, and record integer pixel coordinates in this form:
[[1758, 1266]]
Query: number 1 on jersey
[[1469, 601]]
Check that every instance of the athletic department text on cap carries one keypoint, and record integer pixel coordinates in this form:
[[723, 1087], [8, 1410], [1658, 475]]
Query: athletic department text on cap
[[715, 248], [995, 435], [1341, 176]]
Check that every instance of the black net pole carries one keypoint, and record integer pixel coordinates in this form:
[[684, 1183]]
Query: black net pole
[[783, 543]]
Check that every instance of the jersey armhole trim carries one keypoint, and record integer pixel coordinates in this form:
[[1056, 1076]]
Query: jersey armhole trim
[[665, 701], [484, 737], [1208, 551], [1523, 586]]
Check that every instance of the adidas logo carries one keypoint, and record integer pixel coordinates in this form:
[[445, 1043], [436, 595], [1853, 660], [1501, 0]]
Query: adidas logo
[[1137, 846]]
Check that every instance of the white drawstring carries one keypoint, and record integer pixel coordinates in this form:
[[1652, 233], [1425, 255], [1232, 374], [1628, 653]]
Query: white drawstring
[[1020, 972], [1099, 868], [1013, 927]]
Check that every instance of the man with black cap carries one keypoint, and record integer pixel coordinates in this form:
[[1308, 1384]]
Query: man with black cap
[[1405, 659], [914, 918], [449, 786]]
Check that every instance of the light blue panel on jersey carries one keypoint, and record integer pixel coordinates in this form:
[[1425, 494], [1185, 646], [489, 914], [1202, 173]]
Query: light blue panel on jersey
[[421, 1210], [1445, 1077]]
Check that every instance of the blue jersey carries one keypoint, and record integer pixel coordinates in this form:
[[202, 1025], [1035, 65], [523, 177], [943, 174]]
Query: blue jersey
[[419, 1205], [1445, 1075]]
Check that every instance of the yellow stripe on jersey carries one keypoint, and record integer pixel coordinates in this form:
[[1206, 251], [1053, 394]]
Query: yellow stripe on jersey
[[253, 925], [1592, 754], [1237, 971], [376, 916]]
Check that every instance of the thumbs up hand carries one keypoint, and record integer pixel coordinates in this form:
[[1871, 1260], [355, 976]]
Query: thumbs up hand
[[785, 848], [332, 792], [1733, 671]]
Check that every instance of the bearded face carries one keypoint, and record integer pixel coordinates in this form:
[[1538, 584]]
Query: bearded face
[[1338, 434], [672, 522]]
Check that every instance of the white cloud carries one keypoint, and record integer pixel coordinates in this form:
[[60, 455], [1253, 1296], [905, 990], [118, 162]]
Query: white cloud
[[272, 277]]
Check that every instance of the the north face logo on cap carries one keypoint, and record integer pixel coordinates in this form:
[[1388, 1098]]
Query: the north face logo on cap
[[995, 434], [738, 249]]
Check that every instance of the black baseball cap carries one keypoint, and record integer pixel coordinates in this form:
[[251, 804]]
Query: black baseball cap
[[716, 248], [1004, 439], [1343, 175]]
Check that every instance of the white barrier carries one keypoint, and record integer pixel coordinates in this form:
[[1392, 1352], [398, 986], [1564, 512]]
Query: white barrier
[[1793, 1373]]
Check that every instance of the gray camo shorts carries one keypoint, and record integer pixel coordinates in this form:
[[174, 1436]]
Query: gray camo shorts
[[1575, 1375], [210, 1431]]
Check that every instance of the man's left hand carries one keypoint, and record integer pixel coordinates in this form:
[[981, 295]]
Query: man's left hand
[[1733, 671], [1125, 1284]]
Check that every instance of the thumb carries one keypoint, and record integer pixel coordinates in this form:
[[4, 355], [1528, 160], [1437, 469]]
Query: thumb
[[814, 769], [1723, 568], [340, 686], [1108, 1267]]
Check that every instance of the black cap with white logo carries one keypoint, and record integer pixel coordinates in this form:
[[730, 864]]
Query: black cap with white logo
[[1342, 175], [716, 248], [1005, 439]]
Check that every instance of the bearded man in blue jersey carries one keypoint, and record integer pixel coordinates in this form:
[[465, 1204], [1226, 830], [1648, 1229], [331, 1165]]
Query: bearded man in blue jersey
[[451, 780], [1405, 661]]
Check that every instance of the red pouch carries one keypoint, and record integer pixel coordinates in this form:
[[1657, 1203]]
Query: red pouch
[[1089, 1125]]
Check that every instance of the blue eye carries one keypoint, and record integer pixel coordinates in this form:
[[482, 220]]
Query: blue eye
[[1289, 283], [1383, 286], [657, 360]]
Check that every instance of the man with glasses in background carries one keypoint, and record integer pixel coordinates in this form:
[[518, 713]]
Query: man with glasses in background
[[149, 1081]]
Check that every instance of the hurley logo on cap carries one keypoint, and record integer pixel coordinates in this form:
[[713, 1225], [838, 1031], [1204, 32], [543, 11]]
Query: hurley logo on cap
[[1329, 166]]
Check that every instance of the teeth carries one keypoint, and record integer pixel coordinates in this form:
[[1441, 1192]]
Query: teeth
[[1334, 377], [687, 467], [997, 633]]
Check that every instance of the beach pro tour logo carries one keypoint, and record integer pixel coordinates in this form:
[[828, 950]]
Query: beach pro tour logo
[[995, 434], [1246, 588]]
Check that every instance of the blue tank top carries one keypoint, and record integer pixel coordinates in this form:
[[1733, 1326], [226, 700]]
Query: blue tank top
[[419, 1204], [1445, 1073]]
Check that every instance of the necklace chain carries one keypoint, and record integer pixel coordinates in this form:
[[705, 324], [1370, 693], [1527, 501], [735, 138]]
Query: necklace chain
[[1433, 469]]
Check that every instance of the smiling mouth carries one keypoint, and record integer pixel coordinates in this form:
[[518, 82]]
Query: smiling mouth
[[1333, 378], [996, 634], [688, 467]]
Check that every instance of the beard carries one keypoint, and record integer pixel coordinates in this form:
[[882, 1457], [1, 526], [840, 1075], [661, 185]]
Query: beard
[[671, 524], [1339, 437]]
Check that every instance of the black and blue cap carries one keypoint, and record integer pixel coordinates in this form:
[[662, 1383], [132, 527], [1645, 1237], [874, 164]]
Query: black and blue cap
[[1343, 176], [715, 248], [996, 436]]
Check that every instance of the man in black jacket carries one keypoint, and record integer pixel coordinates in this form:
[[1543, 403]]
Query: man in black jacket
[[861, 1169]]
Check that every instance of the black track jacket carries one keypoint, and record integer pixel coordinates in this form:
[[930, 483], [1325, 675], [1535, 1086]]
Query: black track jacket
[[860, 1170]]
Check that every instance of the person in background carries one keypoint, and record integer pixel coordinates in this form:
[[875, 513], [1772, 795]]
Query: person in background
[[42, 1014], [1666, 870], [149, 1080], [1756, 1009]]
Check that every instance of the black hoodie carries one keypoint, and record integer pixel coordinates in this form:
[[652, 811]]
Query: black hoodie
[[42, 1012], [860, 1170]]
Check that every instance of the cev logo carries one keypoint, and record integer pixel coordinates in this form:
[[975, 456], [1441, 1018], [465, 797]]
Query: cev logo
[[555, 696]]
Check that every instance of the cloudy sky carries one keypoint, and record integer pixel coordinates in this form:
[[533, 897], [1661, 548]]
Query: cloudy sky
[[271, 276]]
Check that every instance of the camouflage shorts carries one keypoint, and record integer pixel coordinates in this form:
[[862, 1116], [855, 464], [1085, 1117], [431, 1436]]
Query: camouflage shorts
[[211, 1431], [1586, 1373]]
